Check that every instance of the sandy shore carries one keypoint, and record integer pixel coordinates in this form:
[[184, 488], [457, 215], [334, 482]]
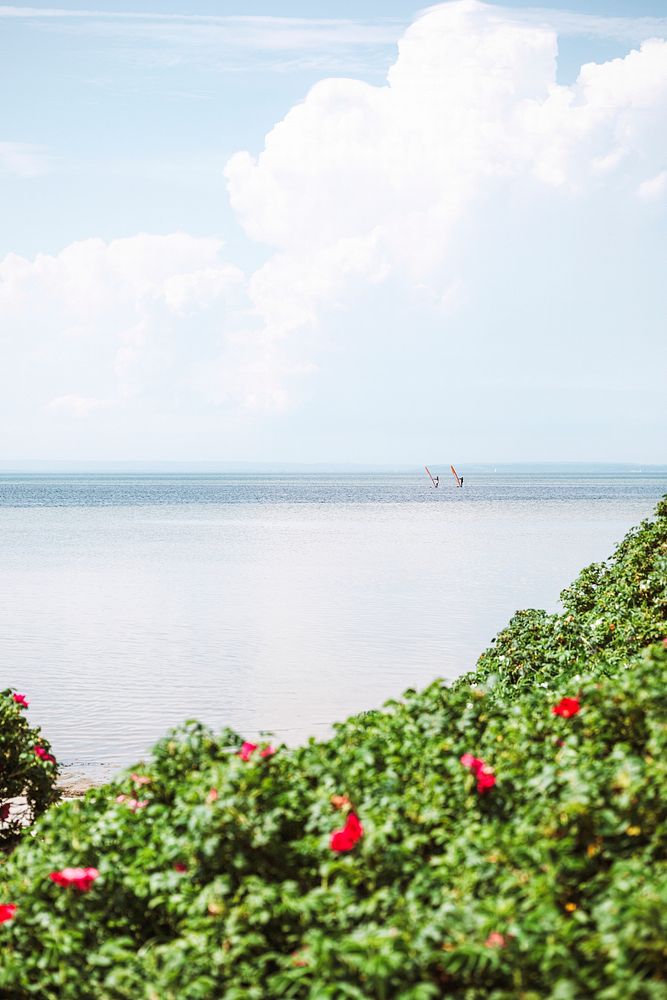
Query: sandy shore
[[75, 786]]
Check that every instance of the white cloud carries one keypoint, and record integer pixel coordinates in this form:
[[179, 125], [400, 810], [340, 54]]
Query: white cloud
[[253, 376], [100, 322], [23, 159], [196, 290], [76, 406], [653, 188]]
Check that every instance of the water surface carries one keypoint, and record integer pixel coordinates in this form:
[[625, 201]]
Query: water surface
[[275, 602]]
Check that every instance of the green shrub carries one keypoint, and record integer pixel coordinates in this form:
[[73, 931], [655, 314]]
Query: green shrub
[[27, 782], [548, 878], [611, 610]]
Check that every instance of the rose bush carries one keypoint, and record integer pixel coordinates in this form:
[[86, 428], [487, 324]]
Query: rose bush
[[497, 838], [611, 610], [28, 771]]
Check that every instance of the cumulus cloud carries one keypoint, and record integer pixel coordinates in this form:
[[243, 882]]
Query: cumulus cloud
[[100, 322], [471, 105], [367, 184]]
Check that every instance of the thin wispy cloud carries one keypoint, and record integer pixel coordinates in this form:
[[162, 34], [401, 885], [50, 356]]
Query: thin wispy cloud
[[226, 43], [271, 32], [254, 30]]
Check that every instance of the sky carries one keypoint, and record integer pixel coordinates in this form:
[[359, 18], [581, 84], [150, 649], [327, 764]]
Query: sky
[[378, 233]]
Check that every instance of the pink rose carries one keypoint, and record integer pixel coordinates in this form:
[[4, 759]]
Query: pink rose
[[248, 749]]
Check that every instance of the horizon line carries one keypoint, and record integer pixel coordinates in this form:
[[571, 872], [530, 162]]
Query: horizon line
[[227, 464]]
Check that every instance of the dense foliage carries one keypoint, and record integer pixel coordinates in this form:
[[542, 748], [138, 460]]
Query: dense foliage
[[503, 837], [611, 610], [27, 769]]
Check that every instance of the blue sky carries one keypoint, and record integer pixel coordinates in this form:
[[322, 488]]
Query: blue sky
[[228, 235]]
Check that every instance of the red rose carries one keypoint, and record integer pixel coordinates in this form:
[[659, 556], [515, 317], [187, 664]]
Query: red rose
[[20, 700], [77, 878], [485, 777], [7, 912], [566, 707], [44, 755], [4, 811], [351, 834], [180, 867]]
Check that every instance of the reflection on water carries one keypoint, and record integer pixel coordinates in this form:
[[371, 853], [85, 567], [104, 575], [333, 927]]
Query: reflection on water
[[272, 603]]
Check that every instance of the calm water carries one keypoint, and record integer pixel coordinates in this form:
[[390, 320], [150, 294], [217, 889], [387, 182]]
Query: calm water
[[280, 603]]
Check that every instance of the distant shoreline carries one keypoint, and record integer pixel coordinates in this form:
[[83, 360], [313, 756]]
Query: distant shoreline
[[46, 467]]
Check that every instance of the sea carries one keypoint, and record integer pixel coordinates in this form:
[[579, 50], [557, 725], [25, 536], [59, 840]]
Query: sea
[[276, 602]]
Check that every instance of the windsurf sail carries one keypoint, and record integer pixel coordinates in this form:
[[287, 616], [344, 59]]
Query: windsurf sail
[[430, 476], [456, 475]]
